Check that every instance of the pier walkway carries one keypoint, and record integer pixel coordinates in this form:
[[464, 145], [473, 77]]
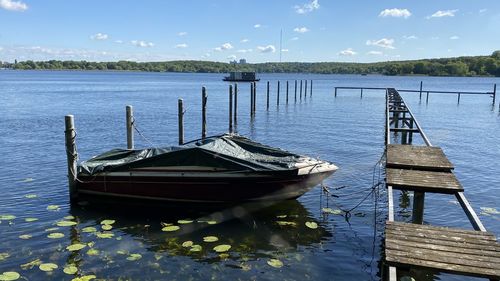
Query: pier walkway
[[426, 169]]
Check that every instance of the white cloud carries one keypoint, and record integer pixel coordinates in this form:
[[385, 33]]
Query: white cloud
[[13, 5], [307, 8], [266, 49], [119, 41], [347, 52], [454, 37], [181, 46], [244, 40], [244, 51], [284, 50], [383, 43], [257, 25], [375, 53], [295, 38], [410, 37], [223, 47], [231, 57], [440, 14], [142, 44], [182, 33], [301, 29], [397, 13], [98, 36]]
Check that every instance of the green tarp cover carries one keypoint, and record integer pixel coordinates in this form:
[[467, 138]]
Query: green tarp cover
[[227, 152]]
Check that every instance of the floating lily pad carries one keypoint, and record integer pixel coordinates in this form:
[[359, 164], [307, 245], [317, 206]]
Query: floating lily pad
[[104, 235], [91, 244], [489, 211], [184, 221], [75, 247], [93, 252], [89, 229], [286, 223], [109, 222], [170, 228], [31, 196], [212, 222], [55, 235], [331, 211], [84, 278], [281, 216], [121, 252], [31, 264], [4, 256], [25, 236], [9, 276], [196, 248], [70, 269], [165, 224], [311, 225], [30, 219], [134, 257], [52, 229], [210, 239], [187, 244], [222, 248], [7, 217], [224, 256], [47, 266], [275, 263], [106, 227], [69, 217], [53, 207], [66, 223]]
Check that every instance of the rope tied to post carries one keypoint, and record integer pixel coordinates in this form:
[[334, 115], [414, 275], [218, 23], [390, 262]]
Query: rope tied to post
[[133, 123]]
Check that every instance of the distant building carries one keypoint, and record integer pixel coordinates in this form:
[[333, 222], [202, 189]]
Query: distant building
[[243, 61]]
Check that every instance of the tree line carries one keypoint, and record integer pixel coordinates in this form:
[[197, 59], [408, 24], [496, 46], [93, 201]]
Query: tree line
[[459, 66]]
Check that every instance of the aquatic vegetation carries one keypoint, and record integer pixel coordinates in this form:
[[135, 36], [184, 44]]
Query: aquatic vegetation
[[9, 276], [331, 211], [196, 248], [70, 269], [28, 180], [7, 217], [108, 222], [89, 229], [106, 227], [65, 223], [275, 263], [170, 228], [30, 196], [489, 211], [55, 235], [30, 219], [53, 208], [210, 239], [311, 224], [47, 267], [51, 229], [25, 236], [93, 252], [31, 264], [222, 248], [281, 216], [75, 247], [69, 217], [4, 256], [84, 278], [187, 244], [134, 257], [184, 221], [287, 223], [104, 235]]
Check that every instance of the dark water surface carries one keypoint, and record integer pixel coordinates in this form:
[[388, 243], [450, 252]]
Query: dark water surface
[[346, 130]]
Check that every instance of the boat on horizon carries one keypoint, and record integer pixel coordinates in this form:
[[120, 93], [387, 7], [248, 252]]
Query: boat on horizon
[[238, 76], [222, 169]]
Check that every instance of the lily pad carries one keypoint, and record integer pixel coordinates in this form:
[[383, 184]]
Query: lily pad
[[311, 224], [9, 276], [47, 267], [75, 247], [134, 257], [121, 252], [106, 227], [69, 217], [187, 244], [224, 256], [331, 211], [104, 235], [196, 248], [93, 252], [170, 228], [70, 269], [4, 256], [89, 229], [210, 239], [281, 216], [407, 278], [222, 248], [30, 219], [55, 235], [287, 223], [109, 222], [275, 263], [31, 196], [25, 236], [212, 222], [184, 221], [66, 223], [31, 264], [53, 207], [52, 229], [7, 217], [84, 278]]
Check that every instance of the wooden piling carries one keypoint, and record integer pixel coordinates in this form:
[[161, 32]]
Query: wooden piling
[[254, 97], [335, 91], [421, 84], [361, 92], [230, 109], [278, 94], [130, 126], [494, 93], [410, 135], [311, 90], [286, 91], [235, 103], [295, 91], [71, 155], [418, 207], [305, 89], [180, 120], [251, 99], [300, 89], [267, 95], [203, 112], [458, 98], [427, 98]]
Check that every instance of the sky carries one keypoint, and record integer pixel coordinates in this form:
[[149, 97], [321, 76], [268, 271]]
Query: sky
[[225, 30]]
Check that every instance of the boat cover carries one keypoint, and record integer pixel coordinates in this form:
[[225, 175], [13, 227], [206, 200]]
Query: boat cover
[[226, 152]]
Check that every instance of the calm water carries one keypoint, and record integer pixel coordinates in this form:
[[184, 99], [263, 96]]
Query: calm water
[[346, 130]]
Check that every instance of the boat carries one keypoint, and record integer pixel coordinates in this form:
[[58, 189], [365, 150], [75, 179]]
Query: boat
[[237, 76], [227, 168]]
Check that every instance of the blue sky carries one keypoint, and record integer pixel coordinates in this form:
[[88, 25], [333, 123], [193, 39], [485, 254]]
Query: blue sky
[[223, 30]]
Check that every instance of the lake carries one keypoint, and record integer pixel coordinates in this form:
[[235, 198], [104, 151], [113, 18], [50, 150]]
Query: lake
[[346, 130]]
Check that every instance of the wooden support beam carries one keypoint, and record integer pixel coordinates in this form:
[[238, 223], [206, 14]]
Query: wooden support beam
[[295, 91], [420, 96], [278, 94], [203, 112], [311, 90], [418, 207], [71, 156], [130, 126], [180, 115], [235, 104], [230, 109], [267, 95], [469, 211], [286, 91]]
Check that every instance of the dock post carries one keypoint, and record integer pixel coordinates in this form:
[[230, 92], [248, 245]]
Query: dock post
[[235, 103], [403, 133], [130, 126], [305, 90], [301, 89], [278, 94], [458, 98], [361, 93], [418, 207], [267, 95], [180, 114], [203, 112], [254, 97], [427, 98], [295, 91], [335, 91], [410, 136], [71, 155], [311, 90], [230, 109], [421, 84], [286, 91], [251, 99], [494, 93]]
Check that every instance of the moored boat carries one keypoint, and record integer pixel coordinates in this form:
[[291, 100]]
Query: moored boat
[[237, 76]]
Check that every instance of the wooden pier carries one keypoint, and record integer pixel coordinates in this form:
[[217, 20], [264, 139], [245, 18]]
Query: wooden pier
[[426, 169]]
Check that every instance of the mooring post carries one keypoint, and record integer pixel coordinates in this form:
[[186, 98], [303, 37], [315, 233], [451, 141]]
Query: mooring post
[[235, 103], [180, 120], [267, 95], [427, 98], [230, 109], [286, 91], [335, 91], [403, 133], [301, 89], [278, 94], [71, 155], [251, 99], [458, 98], [130, 126], [305, 89], [421, 83], [361, 92], [410, 135], [494, 93], [311, 90], [295, 91], [254, 97], [203, 112], [418, 207]]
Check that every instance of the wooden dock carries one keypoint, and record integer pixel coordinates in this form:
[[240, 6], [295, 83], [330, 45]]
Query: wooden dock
[[426, 169]]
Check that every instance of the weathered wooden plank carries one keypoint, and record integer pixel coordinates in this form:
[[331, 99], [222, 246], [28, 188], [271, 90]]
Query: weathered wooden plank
[[432, 234], [417, 157], [426, 181], [426, 240], [391, 224]]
